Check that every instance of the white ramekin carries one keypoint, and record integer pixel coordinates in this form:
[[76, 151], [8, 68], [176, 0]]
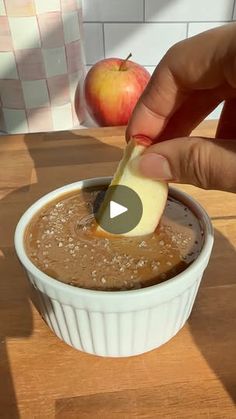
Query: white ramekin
[[122, 323]]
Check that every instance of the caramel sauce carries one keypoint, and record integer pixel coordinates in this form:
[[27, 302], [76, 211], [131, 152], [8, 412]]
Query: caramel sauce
[[60, 241]]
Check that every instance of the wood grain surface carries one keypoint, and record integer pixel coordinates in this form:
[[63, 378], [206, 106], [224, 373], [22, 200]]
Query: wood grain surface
[[192, 376]]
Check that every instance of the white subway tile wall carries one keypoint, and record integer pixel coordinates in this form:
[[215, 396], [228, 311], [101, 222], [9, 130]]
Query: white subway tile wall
[[195, 28], [93, 38], [123, 38], [150, 68], [188, 10], [234, 14], [147, 28], [113, 10]]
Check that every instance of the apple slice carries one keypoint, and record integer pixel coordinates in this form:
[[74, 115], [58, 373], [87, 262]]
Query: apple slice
[[152, 193]]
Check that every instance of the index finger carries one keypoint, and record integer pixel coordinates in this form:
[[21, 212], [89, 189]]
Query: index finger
[[205, 61], [156, 105]]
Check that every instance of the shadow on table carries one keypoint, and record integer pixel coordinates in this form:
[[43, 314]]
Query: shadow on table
[[49, 170], [15, 322], [213, 319]]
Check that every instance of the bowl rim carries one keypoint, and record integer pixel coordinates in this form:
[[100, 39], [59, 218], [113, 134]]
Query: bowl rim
[[47, 280]]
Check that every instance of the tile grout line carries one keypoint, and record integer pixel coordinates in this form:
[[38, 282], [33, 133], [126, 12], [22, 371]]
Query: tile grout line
[[140, 22]]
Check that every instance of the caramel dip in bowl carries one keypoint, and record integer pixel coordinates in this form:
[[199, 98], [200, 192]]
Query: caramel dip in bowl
[[112, 296]]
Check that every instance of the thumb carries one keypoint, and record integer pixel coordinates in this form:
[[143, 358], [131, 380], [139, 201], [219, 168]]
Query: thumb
[[206, 163]]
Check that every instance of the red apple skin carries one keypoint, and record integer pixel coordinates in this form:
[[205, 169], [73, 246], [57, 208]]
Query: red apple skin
[[111, 93]]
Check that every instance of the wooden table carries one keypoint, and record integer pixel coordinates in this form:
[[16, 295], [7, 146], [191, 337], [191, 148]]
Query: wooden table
[[192, 376]]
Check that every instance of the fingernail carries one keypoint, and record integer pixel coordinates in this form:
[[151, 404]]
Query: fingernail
[[154, 166], [143, 139]]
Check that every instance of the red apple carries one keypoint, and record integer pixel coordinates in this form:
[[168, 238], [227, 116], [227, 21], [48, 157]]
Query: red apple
[[112, 88]]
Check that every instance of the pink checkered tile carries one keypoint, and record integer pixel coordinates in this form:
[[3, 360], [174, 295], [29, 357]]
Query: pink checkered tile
[[55, 61], [15, 120], [5, 35], [20, 7], [71, 27], [59, 92], [74, 56], [51, 29], [8, 68], [25, 32], [40, 119], [41, 63], [44, 6], [11, 94], [62, 117], [35, 94], [68, 5], [30, 64], [2, 8]]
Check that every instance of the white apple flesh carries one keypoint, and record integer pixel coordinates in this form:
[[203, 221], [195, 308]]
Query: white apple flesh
[[153, 194]]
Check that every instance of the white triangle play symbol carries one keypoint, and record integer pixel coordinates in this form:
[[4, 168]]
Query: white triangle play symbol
[[116, 209]]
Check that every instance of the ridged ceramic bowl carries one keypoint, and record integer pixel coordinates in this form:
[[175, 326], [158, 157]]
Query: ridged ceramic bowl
[[121, 323]]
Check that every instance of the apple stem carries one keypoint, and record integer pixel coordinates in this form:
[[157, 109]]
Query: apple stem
[[123, 64]]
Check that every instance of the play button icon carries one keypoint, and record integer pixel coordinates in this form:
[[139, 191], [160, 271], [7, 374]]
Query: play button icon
[[122, 212], [116, 209]]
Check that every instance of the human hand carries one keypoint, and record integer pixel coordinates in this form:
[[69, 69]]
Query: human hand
[[193, 77]]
